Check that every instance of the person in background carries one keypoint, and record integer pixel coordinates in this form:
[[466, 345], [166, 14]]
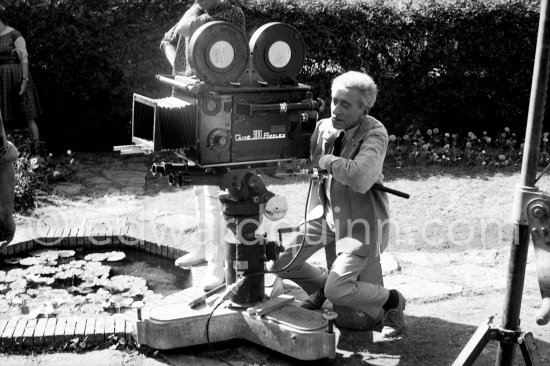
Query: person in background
[[18, 96], [351, 147], [8, 154], [175, 44]]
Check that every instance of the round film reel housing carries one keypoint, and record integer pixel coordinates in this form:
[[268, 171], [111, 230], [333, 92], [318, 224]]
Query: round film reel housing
[[278, 52], [218, 53]]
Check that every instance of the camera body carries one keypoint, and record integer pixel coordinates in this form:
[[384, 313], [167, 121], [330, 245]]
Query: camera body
[[222, 126], [243, 106]]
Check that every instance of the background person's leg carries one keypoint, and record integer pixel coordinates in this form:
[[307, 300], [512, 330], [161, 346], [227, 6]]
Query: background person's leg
[[33, 128], [215, 228], [7, 185], [197, 254]]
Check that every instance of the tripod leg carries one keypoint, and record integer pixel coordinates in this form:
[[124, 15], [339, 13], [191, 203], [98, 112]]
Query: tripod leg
[[529, 350], [474, 346]]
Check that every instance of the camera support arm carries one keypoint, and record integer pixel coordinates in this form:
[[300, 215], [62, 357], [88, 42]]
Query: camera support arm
[[534, 206]]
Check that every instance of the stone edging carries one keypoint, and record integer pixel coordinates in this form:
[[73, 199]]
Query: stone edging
[[44, 333]]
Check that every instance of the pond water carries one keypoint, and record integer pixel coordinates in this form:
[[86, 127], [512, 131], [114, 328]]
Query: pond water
[[85, 281]]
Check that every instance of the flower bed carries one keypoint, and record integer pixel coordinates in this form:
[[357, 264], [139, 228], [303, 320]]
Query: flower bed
[[437, 147]]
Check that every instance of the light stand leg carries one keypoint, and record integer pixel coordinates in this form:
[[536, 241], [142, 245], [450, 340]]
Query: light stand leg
[[474, 346], [488, 332], [509, 334], [518, 255], [528, 349], [514, 292]]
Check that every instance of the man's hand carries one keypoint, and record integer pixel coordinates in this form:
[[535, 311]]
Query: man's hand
[[326, 161]]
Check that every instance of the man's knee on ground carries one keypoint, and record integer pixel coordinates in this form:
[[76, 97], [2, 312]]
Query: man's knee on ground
[[338, 291]]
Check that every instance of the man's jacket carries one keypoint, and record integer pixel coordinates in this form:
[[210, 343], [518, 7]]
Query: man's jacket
[[360, 213]]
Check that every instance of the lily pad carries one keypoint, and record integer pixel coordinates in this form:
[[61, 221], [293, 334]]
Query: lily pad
[[57, 292], [31, 261], [9, 279], [42, 270], [91, 308], [64, 311], [4, 306], [98, 298], [78, 263], [125, 282], [46, 311], [119, 301], [68, 274], [66, 253], [19, 284], [39, 280], [152, 299], [46, 254], [113, 286], [39, 252], [12, 260], [15, 272], [115, 256], [96, 257], [13, 293], [79, 299], [25, 296]]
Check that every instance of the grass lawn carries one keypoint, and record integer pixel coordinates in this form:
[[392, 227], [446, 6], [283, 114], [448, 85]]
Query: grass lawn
[[438, 238], [451, 208]]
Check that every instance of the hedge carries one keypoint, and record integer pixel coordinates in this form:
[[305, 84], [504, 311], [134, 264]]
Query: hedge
[[458, 65]]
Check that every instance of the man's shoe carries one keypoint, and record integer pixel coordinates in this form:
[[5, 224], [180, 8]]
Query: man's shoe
[[315, 301], [215, 275], [394, 321], [191, 258]]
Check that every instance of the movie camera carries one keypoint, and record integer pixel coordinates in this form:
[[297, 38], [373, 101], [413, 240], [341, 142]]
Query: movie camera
[[243, 113], [243, 108]]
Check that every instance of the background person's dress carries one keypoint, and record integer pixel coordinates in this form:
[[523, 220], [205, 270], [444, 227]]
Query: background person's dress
[[16, 109]]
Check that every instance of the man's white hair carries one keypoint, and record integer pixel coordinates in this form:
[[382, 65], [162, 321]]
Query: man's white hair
[[362, 83]]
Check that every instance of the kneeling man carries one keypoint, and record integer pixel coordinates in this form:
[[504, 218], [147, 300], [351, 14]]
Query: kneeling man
[[351, 146]]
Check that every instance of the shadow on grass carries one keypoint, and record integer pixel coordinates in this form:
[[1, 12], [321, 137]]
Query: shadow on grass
[[427, 342]]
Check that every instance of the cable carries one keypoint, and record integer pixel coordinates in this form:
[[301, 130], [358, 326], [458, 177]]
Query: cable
[[208, 336]]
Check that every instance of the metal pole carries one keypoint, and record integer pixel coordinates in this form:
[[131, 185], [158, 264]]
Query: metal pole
[[520, 242]]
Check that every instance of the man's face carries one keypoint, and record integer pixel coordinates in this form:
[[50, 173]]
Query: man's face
[[207, 4], [346, 108]]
